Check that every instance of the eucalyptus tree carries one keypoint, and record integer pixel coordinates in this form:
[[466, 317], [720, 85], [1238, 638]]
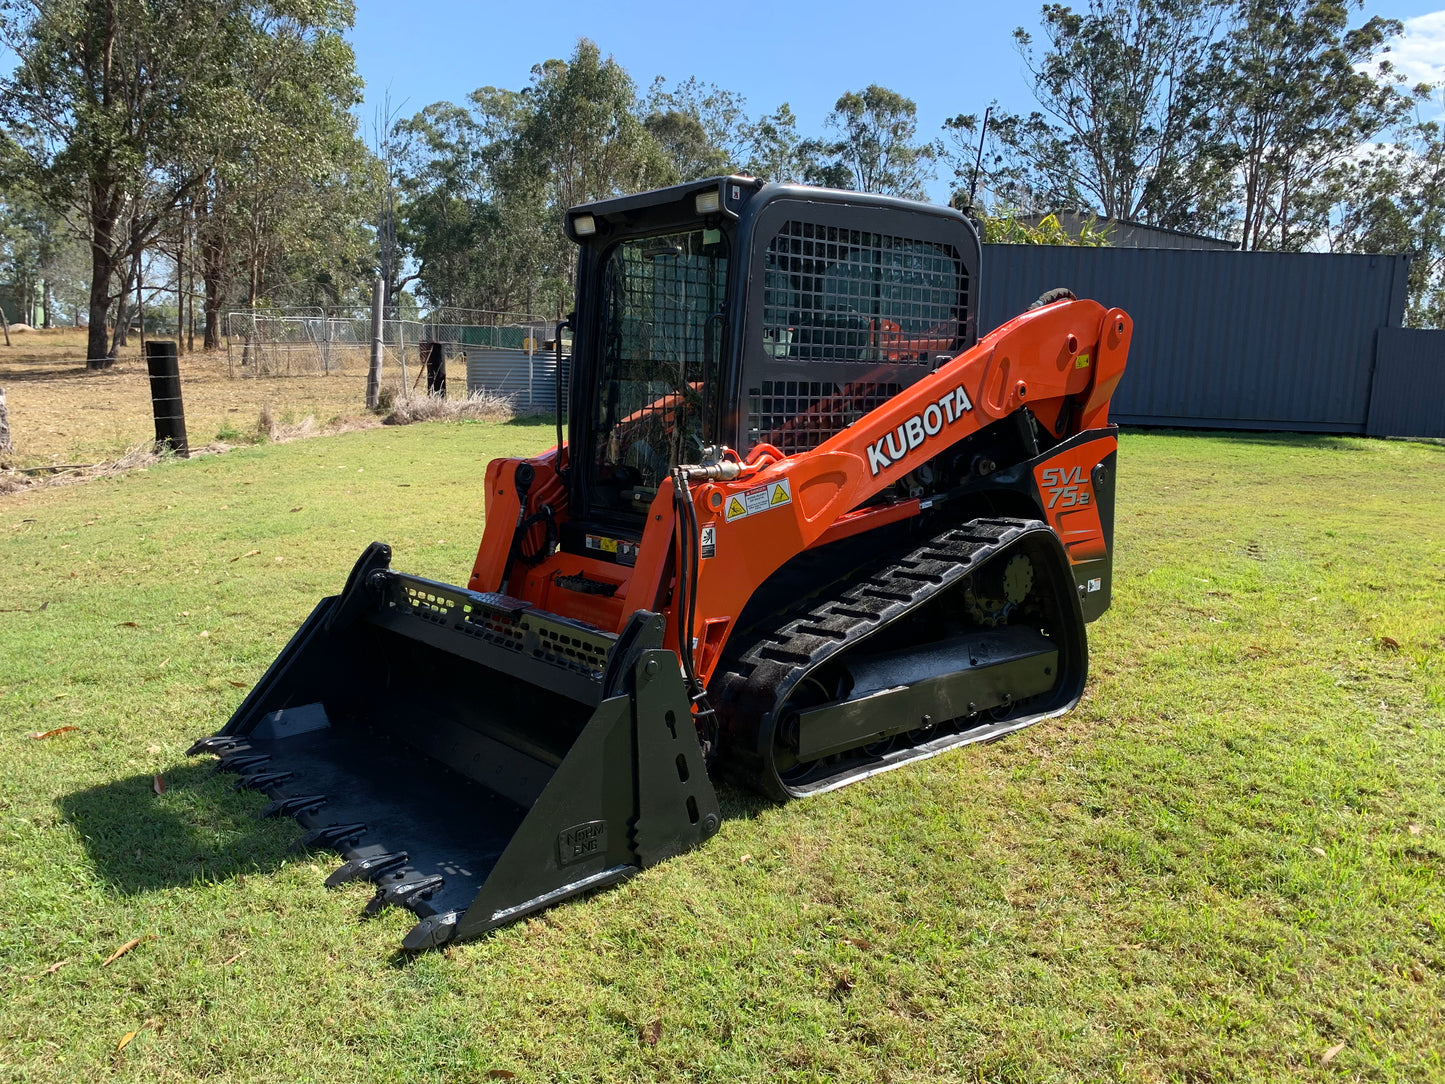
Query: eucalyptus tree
[[1391, 199], [1302, 91], [478, 242], [485, 187], [877, 148], [125, 108], [1124, 89], [775, 153], [703, 129]]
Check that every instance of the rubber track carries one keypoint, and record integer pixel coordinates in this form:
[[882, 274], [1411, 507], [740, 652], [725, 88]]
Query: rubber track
[[764, 675]]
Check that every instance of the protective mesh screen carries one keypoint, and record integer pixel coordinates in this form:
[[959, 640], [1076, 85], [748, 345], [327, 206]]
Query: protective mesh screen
[[836, 294], [798, 415]]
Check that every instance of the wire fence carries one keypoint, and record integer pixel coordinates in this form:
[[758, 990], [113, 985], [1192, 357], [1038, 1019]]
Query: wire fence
[[281, 373], [303, 341]]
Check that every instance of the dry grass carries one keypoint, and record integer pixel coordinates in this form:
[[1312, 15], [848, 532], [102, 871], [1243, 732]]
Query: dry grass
[[62, 413], [137, 457], [482, 406]]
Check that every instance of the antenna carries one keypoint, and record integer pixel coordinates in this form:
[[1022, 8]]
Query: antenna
[[973, 186]]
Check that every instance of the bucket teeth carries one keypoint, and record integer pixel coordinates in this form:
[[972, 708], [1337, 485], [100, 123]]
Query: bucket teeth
[[434, 931], [216, 743], [262, 780], [241, 763], [333, 836], [299, 803], [369, 869], [404, 894]]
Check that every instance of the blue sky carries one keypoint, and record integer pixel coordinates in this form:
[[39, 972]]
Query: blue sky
[[948, 57]]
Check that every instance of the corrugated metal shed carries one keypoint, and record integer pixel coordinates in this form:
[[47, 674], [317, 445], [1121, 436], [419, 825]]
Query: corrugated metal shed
[[1408, 398], [528, 378], [1237, 340]]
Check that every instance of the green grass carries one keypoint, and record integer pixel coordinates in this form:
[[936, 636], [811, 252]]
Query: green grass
[[1228, 860]]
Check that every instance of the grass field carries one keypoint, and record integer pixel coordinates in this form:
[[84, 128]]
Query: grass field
[[1228, 863]]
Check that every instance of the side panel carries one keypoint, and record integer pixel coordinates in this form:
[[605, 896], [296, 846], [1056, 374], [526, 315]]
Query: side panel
[[1075, 487]]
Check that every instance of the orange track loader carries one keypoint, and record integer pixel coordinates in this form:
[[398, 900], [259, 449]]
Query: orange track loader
[[804, 526]]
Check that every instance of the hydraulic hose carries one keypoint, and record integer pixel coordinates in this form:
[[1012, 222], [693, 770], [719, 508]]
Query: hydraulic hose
[[685, 606], [522, 480]]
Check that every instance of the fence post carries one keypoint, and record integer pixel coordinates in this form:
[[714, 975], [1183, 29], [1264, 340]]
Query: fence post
[[165, 374], [373, 374], [434, 358], [6, 448], [401, 350]]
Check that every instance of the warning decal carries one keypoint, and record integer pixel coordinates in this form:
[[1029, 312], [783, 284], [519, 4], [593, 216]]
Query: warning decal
[[707, 541], [772, 495]]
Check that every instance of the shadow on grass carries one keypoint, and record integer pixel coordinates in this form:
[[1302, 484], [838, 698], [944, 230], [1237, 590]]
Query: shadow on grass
[[533, 421], [199, 830]]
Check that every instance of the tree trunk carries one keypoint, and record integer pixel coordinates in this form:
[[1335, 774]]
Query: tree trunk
[[98, 354], [373, 372], [212, 307], [212, 276], [48, 303], [122, 321], [181, 283]]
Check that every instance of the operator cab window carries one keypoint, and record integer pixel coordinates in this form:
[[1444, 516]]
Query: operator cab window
[[661, 336]]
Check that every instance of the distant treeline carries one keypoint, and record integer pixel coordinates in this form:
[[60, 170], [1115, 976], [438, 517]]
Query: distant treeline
[[192, 157]]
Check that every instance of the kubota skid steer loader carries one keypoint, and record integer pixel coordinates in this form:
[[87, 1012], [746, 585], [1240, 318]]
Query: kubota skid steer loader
[[805, 527]]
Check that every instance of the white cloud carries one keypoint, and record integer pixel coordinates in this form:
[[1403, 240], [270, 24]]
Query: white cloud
[[1419, 53]]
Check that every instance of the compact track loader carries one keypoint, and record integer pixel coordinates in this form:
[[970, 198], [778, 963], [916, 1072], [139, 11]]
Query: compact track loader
[[805, 527]]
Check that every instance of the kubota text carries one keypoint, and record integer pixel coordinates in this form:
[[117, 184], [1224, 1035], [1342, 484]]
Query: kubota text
[[893, 446]]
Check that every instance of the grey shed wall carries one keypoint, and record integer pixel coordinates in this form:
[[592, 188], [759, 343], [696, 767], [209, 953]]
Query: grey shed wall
[[1234, 340], [1408, 398]]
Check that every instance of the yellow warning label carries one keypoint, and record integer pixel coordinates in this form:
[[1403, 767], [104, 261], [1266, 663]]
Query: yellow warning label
[[753, 501], [1081, 362]]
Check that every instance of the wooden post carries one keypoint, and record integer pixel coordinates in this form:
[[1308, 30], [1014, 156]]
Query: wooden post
[[6, 448], [373, 374], [401, 348], [434, 363], [165, 376]]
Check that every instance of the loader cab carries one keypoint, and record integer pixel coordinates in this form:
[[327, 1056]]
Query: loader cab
[[730, 311]]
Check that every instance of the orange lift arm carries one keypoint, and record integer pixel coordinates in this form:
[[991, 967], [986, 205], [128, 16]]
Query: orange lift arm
[[1062, 361]]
